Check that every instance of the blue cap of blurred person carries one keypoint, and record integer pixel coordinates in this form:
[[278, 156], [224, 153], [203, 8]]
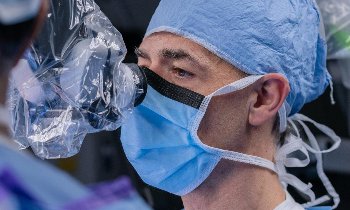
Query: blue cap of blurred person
[[16, 11], [19, 21]]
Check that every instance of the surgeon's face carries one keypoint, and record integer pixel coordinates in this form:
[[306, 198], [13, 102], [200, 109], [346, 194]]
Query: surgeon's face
[[187, 64]]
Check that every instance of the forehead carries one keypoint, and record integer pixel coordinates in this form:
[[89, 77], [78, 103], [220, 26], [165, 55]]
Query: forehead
[[165, 40]]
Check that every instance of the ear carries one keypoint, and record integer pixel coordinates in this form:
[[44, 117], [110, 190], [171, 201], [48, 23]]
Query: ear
[[270, 92]]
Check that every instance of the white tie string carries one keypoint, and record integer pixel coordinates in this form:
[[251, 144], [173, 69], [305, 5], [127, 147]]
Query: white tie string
[[294, 143]]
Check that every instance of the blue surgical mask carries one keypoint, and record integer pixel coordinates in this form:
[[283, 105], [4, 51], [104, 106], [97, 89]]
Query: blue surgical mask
[[161, 142]]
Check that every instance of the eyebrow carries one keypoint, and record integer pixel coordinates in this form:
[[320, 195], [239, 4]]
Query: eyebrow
[[174, 54], [140, 53]]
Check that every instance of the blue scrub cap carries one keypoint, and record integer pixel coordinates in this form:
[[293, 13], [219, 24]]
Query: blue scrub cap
[[258, 37], [17, 11]]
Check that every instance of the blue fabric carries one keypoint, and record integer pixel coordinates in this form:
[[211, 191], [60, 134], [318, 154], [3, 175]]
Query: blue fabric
[[17, 11], [160, 140], [161, 149], [258, 37], [17, 194], [44, 182], [28, 183]]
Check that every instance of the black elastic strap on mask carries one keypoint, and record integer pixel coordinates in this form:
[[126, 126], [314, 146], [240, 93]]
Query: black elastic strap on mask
[[173, 91]]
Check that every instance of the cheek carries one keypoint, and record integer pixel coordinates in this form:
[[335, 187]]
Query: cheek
[[213, 81], [225, 122]]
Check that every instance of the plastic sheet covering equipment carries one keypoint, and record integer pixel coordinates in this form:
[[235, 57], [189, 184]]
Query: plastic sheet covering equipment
[[72, 81]]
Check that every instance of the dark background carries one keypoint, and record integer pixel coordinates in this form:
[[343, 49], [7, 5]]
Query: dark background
[[101, 157]]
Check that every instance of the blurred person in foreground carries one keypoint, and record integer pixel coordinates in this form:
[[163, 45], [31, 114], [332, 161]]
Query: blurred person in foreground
[[220, 123], [27, 183]]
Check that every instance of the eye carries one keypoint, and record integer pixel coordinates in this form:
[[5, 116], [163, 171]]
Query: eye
[[138, 52], [183, 74]]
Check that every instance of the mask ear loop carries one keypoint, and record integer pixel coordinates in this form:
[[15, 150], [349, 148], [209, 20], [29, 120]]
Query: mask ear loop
[[225, 154], [291, 145]]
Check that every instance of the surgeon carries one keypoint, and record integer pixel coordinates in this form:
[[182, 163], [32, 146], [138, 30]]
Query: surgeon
[[220, 123]]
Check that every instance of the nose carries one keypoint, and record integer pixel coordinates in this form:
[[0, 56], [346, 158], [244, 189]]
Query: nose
[[161, 70]]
